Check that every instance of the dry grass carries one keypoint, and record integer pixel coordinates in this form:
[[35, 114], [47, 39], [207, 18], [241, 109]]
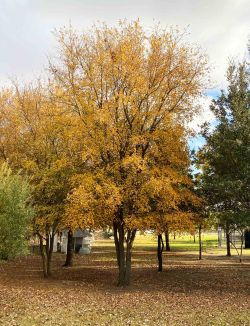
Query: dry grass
[[214, 291]]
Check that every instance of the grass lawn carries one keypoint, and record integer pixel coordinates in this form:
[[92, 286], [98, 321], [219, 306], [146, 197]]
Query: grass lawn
[[214, 291]]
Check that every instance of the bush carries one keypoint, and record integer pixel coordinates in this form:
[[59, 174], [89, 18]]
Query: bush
[[15, 213]]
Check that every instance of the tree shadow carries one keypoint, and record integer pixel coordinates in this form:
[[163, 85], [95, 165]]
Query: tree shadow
[[182, 274]]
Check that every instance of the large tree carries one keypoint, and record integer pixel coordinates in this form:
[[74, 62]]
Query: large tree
[[36, 137], [225, 159], [124, 86]]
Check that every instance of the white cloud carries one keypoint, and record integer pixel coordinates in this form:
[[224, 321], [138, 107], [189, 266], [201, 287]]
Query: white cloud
[[204, 114], [220, 27]]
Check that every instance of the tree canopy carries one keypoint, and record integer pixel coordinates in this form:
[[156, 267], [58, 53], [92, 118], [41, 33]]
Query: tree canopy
[[225, 159]]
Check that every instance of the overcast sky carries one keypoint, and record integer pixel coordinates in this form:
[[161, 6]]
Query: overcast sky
[[221, 27]]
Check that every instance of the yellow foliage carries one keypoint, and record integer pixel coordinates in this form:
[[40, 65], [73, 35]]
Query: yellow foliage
[[107, 132]]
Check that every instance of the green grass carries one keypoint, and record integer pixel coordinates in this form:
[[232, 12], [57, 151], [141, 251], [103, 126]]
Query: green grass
[[181, 243]]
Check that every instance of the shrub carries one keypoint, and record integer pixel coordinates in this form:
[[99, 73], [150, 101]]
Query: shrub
[[15, 213]]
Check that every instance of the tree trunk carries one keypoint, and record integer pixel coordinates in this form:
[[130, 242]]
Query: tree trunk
[[69, 255], [129, 241], [219, 237], [123, 253], [47, 253], [194, 237], [241, 245], [228, 240], [44, 261], [167, 239], [200, 244], [160, 249]]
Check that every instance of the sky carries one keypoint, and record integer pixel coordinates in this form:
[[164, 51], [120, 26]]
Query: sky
[[220, 27]]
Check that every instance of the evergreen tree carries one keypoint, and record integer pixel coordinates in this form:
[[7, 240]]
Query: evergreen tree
[[225, 159]]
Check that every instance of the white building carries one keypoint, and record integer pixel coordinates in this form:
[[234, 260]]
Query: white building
[[82, 242]]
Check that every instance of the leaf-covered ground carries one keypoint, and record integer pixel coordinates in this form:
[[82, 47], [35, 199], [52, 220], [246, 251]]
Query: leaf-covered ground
[[214, 291]]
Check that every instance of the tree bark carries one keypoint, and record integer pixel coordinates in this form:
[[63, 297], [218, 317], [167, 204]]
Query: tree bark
[[228, 240], [69, 255], [167, 239], [241, 245], [44, 262], [49, 250], [123, 252], [219, 237], [129, 244], [200, 244], [160, 249], [47, 253]]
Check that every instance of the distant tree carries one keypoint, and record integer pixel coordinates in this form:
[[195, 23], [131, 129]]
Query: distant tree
[[225, 159], [202, 221], [15, 213], [237, 224]]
